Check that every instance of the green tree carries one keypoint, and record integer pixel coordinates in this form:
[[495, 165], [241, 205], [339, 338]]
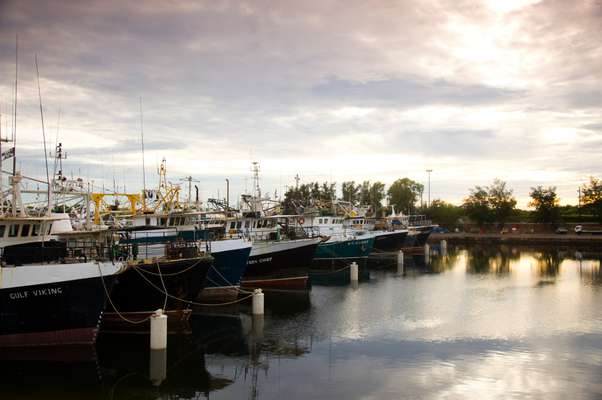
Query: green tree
[[502, 201], [477, 206], [591, 196], [351, 192], [376, 196], [365, 192], [328, 191], [489, 204], [404, 193], [545, 202], [444, 214]]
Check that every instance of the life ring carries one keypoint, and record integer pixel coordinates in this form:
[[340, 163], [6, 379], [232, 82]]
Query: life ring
[[301, 220]]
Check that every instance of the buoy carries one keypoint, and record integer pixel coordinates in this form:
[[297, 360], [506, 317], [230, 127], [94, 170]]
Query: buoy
[[158, 366], [257, 302], [158, 330], [354, 272]]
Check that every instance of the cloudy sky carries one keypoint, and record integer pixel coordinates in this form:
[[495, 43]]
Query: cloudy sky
[[329, 90]]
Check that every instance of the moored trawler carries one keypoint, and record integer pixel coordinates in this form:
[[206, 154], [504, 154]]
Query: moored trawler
[[419, 228], [171, 282], [230, 256], [52, 291], [343, 250], [280, 265], [339, 245], [384, 240]]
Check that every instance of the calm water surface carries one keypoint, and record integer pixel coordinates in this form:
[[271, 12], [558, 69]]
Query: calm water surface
[[477, 322]]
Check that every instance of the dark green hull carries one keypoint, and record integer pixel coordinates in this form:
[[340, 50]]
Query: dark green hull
[[345, 249]]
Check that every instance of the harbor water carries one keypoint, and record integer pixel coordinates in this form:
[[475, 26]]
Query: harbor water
[[474, 322]]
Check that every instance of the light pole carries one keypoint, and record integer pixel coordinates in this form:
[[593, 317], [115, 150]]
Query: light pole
[[429, 197]]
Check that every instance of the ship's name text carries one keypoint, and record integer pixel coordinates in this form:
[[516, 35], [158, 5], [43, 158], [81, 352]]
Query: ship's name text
[[35, 293]]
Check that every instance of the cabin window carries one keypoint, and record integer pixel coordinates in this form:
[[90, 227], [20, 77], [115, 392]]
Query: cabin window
[[325, 220], [2, 230], [247, 223], [320, 221], [13, 230], [48, 229], [232, 225], [35, 231], [147, 221], [25, 230], [254, 224], [238, 224]]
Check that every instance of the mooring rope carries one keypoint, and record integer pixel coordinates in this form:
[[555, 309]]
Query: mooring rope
[[113, 305], [228, 282], [168, 274], [330, 272], [190, 301]]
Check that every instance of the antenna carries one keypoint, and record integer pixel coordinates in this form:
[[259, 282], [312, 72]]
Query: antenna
[[189, 180], [1, 174], [143, 167], [15, 111], [57, 156], [44, 138]]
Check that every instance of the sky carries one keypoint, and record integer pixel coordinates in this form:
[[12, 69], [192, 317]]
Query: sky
[[328, 90]]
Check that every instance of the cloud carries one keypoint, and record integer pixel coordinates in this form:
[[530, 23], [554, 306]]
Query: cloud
[[468, 88]]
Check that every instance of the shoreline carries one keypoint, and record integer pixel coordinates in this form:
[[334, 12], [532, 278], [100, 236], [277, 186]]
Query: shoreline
[[517, 238]]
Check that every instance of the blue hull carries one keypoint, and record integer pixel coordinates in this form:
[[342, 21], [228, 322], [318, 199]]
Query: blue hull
[[228, 267]]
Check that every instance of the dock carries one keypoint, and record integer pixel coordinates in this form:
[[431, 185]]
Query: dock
[[517, 238]]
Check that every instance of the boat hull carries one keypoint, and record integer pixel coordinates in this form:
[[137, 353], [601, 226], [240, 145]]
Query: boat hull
[[65, 310], [417, 237], [139, 290], [229, 263], [280, 266], [389, 241], [339, 252]]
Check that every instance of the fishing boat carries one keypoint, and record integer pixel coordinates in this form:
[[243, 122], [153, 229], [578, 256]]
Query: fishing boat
[[230, 255], [419, 228], [171, 282], [339, 246], [384, 240], [281, 254], [52, 290]]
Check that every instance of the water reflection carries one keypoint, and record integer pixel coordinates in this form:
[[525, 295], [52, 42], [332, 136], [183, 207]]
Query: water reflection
[[468, 322]]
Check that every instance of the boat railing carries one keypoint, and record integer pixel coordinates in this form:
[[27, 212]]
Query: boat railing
[[169, 250]]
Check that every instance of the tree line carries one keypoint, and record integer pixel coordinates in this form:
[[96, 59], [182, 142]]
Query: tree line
[[490, 204], [403, 194]]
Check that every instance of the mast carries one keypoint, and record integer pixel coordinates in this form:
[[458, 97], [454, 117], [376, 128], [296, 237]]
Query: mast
[[15, 111], [48, 211], [1, 173], [256, 198], [143, 166]]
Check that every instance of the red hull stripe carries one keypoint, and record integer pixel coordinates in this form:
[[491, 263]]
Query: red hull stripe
[[82, 336], [298, 283]]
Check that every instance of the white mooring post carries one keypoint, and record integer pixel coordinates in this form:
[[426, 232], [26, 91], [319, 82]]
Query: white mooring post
[[258, 302], [400, 261], [354, 272], [427, 252], [444, 247], [158, 366], [158, 330]]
